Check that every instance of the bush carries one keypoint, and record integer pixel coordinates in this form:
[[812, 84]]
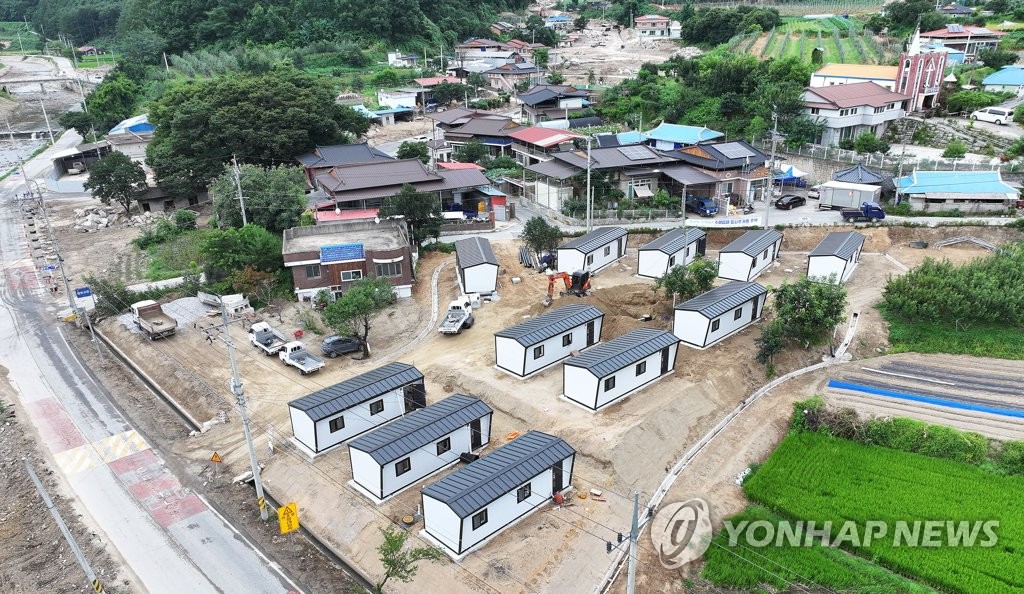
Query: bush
[[1011, 458], [185, 220], [159, 231]]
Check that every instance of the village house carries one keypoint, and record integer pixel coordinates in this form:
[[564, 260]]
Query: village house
[[550, 102], [508, 77], [843, 74], [334, 255], [321, 159], [657, 26], [739, 168], [474, 45], [558, 22], [534, 144], [132, 136], [967, 191], [850, 109], [460, 125], [1008, 79], [500, 28], [667, 137], [968, 39]]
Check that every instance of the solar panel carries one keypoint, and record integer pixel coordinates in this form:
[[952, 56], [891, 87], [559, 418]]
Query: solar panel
[[341, 253], [734, 150], [955, 28], [635, 153]]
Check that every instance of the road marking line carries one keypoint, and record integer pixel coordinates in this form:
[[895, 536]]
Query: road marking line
[[101, 451]]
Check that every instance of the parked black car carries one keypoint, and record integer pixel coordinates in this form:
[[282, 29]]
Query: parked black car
[[790, 201], [332, 346]]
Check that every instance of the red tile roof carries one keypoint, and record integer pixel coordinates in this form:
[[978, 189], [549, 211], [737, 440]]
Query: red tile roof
[[435, 80], [963, 31], [854, 95], [457, 165], [651, 18], [544, 137]]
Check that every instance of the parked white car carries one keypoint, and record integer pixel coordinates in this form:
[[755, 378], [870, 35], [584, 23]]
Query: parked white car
[[996, 115]]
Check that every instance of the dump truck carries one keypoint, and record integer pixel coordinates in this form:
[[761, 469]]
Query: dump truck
[[294, 353], [458, 318], [868, 211], [151, 319], [266, 338]]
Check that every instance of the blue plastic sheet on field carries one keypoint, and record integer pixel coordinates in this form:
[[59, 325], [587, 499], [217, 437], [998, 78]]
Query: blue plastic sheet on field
[[927, 399]]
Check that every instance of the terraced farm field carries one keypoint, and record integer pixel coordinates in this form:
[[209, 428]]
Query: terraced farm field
[[842, 41], [817, 477]]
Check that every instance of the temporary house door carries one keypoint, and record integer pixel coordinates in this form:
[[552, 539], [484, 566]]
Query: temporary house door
[[590, 332], [557, 480], [702, 245], [664, 360], [415, 397], [753, 310], [475, 435]]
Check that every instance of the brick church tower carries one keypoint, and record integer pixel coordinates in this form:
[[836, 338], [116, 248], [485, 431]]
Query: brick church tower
[[920, 74]]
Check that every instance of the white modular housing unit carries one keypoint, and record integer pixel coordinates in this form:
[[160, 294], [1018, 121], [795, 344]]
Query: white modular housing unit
[[477, 265], [749, 254], [837, 254], [678, 247], [539, 342], [476, 502], [722, 311], [394, 456], [592, 251], [617, 368], [337, 413]]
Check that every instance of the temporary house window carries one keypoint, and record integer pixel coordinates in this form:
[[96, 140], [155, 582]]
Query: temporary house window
[[337, 424], [609, 384], [641, 368], [312, 271], [765, 253], [351, 275], [444, 445], [523, 493], [376, 407], [389, 269], [738, 313], [403, 466], [607, 250], [590, 259], [671, 261], [538, 351], [715, 324], [567, 339], [479, 519]]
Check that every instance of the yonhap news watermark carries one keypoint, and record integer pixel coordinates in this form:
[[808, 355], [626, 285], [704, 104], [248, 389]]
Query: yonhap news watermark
[[682, 532]]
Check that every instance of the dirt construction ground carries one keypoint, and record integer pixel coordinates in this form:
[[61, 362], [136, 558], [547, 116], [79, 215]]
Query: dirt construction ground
[[629, 446]]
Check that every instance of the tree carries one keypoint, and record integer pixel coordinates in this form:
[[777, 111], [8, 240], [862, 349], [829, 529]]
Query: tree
[[771, 342], [591, 78], [998, 7], [422, 212], [270, 117], [877, 23], [996, 58], [398, 563], [541, 55], [555, 78], [809, 311], [116, 178], [955, 149], [476, 80], [414, 150], [471, 152], [257, 283], [540, 236], [867, 142], [225, 251], [445, 93], [352, 313], [81, 121], [113, 100], [686, 282], [580, 23], [274, 196], [185, 220]]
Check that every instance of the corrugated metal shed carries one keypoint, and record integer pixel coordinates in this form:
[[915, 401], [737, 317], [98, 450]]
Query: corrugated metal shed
[[722, 299], [551, 324], [472, 487], [342, 396], [474, 251], [842, 245], [753, 243], [594, 240], [420, 427], [674, 240], [611, 356]]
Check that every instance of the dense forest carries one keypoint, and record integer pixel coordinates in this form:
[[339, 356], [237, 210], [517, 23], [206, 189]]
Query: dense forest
[[183, 25]]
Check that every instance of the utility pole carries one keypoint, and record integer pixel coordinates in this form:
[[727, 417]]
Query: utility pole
[[590, 197], [47, 118], [94, 581], [634, 534], [236, 389], [241, 199], [167, 68], [771, 169]]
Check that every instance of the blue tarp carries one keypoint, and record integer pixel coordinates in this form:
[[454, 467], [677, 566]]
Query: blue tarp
[[927, 399]]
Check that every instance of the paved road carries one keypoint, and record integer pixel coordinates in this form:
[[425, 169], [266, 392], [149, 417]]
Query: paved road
[[170, 539]]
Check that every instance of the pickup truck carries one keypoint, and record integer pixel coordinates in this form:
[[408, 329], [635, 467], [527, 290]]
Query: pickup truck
[[151, 319], [458, 318], [705, 207], [296, 355], [868, 211], [266, 338]]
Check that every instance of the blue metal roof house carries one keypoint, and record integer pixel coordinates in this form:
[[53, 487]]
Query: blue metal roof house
[[668, 137], [1008, 78], [967, 191], [137, 125], [468, 507]]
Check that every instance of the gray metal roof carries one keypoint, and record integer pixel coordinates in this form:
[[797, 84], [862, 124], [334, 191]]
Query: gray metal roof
[[420, 427], [342, 396], [753, 243], [474, 486], [858, 174], [609, 357], [594, 240], [675, 240], [843, 245], [474, 251], [719, 300], [551, 324]]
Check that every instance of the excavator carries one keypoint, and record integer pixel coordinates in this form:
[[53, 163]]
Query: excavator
[[578, 283]]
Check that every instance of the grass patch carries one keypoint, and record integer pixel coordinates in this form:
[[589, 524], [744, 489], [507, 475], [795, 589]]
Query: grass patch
[[738, 567], [817, 477], [978, 340], [175, 256]]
